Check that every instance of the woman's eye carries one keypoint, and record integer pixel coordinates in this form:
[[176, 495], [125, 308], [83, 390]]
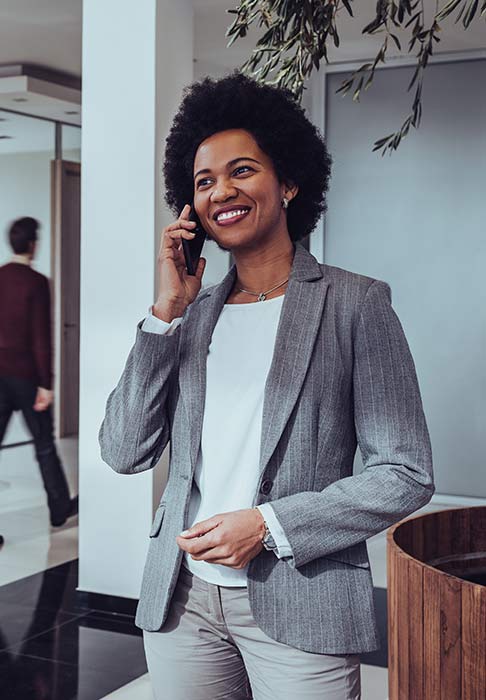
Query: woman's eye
[[203, 180]]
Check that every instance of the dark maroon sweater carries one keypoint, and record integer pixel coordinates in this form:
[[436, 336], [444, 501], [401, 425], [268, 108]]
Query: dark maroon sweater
[[25, 325]]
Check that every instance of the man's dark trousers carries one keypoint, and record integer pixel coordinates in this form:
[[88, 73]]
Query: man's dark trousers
[[19, 395]]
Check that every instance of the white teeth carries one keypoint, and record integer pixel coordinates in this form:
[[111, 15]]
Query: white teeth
[[231, 214]]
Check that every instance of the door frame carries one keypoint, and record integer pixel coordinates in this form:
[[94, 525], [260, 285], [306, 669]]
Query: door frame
[[59, 168]]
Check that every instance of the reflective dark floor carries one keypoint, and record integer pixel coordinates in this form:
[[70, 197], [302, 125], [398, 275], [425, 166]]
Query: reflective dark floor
[[53, 648]]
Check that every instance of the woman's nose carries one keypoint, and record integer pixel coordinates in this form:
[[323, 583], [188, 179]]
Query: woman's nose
[[223, 191]]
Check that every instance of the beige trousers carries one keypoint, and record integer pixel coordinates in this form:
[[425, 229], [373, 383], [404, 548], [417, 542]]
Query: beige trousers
[[210, 648]]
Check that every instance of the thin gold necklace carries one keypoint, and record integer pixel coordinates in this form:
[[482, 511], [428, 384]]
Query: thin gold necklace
[[262, 295]]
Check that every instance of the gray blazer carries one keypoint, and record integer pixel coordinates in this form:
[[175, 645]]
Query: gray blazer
[[341, 375]]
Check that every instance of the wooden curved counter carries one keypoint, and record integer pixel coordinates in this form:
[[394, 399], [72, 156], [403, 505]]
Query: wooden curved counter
[[437, 606]]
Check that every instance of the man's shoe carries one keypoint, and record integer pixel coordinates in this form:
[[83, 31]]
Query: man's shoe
[[74, 507], [72, 510], [1, 540]]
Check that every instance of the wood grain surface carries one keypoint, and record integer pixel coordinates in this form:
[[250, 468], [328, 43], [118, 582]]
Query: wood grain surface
[[436, 617]]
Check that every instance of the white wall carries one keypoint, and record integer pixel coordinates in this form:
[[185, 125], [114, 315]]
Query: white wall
[[128, 100], [25, 191]]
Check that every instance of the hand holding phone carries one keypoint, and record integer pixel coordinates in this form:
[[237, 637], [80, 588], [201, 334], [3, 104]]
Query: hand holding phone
[[192, 248], [177, 288]]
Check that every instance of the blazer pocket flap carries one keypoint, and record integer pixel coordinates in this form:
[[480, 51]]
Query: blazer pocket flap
[[345, 556], [157, 524]]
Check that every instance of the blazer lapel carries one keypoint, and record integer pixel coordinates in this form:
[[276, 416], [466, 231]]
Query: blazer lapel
[[297, 330]]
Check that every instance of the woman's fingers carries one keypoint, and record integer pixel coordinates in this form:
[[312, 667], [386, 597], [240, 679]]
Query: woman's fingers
[[185, 211], [179, 224], [183, 219], [181, 228], [180, 233], [172, 235]]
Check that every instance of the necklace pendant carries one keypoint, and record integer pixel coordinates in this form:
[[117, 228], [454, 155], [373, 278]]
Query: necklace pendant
[[262, 296]]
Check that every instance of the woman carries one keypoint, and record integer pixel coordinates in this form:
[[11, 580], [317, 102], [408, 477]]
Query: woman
[[257, 578]]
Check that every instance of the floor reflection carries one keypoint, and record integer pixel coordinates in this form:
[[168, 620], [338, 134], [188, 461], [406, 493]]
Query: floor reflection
[[54, 648]]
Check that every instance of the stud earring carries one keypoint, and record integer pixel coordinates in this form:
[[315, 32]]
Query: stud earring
[[285, 202]]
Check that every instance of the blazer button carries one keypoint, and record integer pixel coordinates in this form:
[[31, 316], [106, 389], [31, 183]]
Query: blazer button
[[266, 486]]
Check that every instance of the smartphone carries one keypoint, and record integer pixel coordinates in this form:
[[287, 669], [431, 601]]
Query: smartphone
[[192, 249]]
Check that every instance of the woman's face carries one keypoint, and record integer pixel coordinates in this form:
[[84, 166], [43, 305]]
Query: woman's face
[[231, 173]]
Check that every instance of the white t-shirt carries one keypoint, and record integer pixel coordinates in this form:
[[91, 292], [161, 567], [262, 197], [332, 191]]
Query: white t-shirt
[[227, 469]]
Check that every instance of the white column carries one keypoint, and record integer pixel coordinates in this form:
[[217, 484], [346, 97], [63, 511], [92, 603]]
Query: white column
[[137, 57]]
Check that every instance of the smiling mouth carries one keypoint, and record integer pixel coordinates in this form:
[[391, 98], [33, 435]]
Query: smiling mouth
[[229, 217]]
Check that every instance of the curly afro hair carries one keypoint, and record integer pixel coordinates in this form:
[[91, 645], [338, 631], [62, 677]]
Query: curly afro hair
[[277, 123]]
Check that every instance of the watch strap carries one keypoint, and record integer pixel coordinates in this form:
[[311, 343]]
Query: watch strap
[[267, 540]]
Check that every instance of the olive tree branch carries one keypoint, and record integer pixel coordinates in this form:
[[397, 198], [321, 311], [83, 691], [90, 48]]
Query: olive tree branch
[[297, 33]]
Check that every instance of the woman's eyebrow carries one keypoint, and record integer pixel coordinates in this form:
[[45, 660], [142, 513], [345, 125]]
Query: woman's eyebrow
[[228, 165]]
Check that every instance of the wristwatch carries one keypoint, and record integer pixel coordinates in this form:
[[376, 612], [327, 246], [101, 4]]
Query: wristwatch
[[267, 540]]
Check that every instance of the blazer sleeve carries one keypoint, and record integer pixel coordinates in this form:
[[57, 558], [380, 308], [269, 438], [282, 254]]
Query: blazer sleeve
[[392, 435], [136, 427]]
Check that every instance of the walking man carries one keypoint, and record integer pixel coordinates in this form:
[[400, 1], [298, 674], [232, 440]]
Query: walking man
[[26, 362]]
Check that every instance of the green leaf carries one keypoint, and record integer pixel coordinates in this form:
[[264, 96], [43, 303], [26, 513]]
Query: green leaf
[[358, 90], [448, 8], [412, 18], [347, 5], [414, 77], [382, 141], [470, 13], [369, 81]]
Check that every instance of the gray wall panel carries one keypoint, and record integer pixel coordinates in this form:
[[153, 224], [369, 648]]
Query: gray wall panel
[[416, 219]]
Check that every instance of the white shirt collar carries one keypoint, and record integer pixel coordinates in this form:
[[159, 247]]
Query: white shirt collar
[[19, 258]]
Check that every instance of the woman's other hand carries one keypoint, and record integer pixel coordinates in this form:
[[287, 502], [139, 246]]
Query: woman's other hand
[[177, 289], [232, 539]]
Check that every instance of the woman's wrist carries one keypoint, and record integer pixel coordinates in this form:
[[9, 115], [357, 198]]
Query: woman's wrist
[[263, 528], [167, 312]]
